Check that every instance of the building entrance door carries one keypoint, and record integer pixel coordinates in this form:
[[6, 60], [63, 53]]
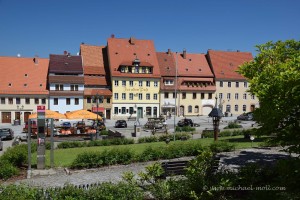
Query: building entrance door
[[140, 112], [6, 117], [107, 113]]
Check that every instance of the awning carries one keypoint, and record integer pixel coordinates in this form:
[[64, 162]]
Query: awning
[[100, 109]]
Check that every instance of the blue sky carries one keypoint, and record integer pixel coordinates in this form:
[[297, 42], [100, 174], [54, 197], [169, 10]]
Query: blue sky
[[43, 27]]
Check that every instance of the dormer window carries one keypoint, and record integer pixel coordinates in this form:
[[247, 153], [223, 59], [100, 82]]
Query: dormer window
[[26, 75], [9, 85], [25, 84], [144, 70], [122, 69]]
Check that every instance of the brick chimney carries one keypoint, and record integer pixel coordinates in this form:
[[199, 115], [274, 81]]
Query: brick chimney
[[169, 51], [184, 54], [112, 35], [132, 40], [36, 59], [65, 52]]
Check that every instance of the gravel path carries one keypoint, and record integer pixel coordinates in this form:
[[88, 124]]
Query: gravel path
[[60, 177]]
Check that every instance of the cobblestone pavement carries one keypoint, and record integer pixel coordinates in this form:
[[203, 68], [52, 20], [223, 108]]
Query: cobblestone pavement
[[60, 177]]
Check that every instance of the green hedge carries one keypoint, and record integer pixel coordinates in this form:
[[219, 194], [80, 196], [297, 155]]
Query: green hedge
[[162, 138], [226, 133]]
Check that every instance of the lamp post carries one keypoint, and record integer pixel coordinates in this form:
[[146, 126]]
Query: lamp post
[[216, 114], [97, 98]]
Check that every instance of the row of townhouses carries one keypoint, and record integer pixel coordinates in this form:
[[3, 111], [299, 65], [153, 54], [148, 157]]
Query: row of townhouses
[[127, 77]]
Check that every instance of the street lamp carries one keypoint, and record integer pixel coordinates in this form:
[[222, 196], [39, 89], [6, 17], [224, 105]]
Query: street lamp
[[97, 98], [216, 114]]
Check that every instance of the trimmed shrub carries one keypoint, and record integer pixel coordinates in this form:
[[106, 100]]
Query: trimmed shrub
[[16, 155], [185, 129], [104, 132], [74, 144], [233, 125], [207, 133], [148, 139], [221, 146], [7, 170]]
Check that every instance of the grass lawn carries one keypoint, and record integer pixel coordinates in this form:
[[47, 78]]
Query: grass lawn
[[64, 157]]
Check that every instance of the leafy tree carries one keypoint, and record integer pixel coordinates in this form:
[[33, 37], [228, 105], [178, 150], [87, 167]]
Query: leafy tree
[[274, 76]]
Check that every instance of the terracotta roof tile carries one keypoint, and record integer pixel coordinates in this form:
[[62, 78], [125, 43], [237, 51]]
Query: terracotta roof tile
[[67, 64], [125, 51], [225, 63], [95, 80], [66, 79], [102, 91], [23, 76], [92, 56], [166, 63]]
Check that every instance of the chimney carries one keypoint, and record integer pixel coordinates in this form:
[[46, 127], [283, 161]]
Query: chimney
[[65, 52], [112, 35], [184, 54], [36, 59], [169, 51], [132, 40]]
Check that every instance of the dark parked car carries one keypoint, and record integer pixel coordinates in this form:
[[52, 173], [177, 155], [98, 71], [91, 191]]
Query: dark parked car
[[121, 124], [1, 145], [6, 134], [185, 122], [246, 116], [66, 124]]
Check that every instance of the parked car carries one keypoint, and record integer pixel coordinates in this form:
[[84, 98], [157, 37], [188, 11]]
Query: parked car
[[246, 116], [6, 134], [121, 124], [185, 122], [1, 145], [66, 124]]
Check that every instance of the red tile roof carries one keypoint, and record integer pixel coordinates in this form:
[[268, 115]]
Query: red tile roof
[[126, 51], [67, 64], [166, 63], [23, 76], [92, 57], [102, 91], [225, 63], [193, 65], [65, 79], [95, 80]]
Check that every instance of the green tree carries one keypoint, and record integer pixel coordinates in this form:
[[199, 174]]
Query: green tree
[[274, 77]]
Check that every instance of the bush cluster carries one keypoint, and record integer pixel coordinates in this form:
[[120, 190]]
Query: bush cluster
[[227, 133], [162, 138], [107, 142], [233, 125], [185, 129]]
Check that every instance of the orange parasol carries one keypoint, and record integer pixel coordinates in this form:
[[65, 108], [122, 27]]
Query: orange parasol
[[82, 114], [49, 114]]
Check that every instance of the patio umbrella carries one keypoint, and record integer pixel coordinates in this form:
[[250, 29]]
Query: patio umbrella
[[49, 114], [82, 114]]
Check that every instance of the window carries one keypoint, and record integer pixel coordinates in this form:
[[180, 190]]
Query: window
[[18, 100], [130, 96], [74, 87], [209, 95], [228, 108], [245, 84], [202, 95], [155, 111], [55, 101], [43, 101], [116, 110], [123, 96], [131, 83], [116, 96], [194, 95], [155, 96], [166, 95], [220, 95], [123, 110], [88, 100], [59, 87], [183, 95], [116, 83], [169, 82], [36, 101], [122, 69], [76, 101], [147, 96], [144, 70], [27, 100], [229, 84], [244, 108], [140, 96], [196, 109], [140, 83], [136, 69], [2, 100], [236, 108], [68, 101], [123, 83], [155, 83], [244, 96], [131, 110], [173, 95], [228, 96], [148, 83], [236, 95], [148, 111], [252, 97], [236, 84], [221, 83], [190, 109], [107, 100], [10, 101]]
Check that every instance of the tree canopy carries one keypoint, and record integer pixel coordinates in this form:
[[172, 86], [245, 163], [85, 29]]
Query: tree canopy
[[274, 77]]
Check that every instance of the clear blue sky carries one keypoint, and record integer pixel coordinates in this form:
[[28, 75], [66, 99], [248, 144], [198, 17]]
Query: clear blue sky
[[43, 27]]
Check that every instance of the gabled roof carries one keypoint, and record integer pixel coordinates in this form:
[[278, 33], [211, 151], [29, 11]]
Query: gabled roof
[[23, 75], [103, 91], [66, 64], [194, 65], [92, 58], [166, 63], [122, 51], [95, 80], [225, 63]]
